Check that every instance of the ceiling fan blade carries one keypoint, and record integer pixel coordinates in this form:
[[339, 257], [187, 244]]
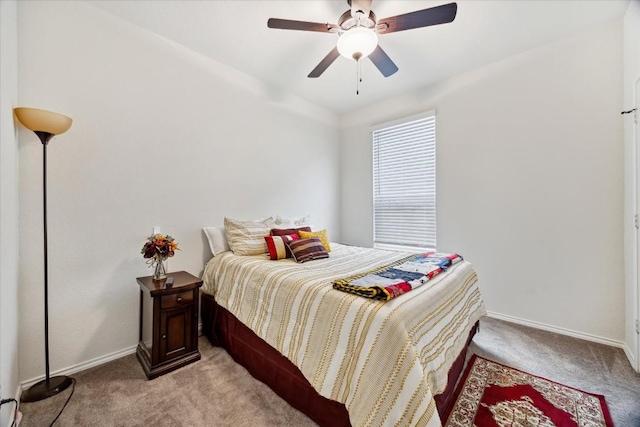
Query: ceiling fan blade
[[420, 18], [382, 62], [324, 64], [287, 24]]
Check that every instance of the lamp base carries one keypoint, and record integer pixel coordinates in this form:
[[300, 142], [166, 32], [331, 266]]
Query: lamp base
[[43, 389]]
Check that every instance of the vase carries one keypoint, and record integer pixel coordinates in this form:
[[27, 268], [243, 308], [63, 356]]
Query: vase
[[160, 272]]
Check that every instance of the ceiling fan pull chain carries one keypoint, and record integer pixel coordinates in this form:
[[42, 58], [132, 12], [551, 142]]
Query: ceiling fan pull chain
[[358, 79]]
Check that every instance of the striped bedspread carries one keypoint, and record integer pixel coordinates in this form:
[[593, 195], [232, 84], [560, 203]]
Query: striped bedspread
[[384, 360]]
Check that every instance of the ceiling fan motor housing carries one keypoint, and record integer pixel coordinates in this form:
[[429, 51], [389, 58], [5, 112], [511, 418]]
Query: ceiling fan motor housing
[[346, 21]]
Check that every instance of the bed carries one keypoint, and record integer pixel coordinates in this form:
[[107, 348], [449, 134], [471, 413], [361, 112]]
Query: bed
[[343, 359]]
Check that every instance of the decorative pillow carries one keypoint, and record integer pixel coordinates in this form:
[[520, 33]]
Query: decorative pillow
[[287, 231], [307, 249], [217, 240], [322, 235], [247, 237], [277, 245]]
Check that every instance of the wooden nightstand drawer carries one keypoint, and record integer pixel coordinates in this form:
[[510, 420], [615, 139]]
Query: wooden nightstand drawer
[[176, 300]]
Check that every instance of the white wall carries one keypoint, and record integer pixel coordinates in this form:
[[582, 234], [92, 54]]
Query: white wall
[[631, 75], [529, 179], [8, 207], [161, 136]]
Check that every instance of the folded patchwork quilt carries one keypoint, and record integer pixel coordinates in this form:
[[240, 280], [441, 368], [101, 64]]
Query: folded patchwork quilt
[[399, 277]]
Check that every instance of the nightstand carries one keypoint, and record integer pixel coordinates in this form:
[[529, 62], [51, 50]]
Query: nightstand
[[168, 323]]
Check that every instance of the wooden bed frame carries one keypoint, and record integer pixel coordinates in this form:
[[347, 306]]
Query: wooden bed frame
[[269, 366]]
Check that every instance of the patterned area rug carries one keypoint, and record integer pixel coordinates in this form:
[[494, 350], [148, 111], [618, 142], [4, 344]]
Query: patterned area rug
[[494, 395]]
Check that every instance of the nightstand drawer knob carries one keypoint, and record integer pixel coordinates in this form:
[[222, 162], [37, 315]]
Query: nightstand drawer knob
[[164, 337], [179, 299]]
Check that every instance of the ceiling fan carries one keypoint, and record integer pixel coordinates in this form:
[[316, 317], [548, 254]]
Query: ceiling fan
[[358, 29]]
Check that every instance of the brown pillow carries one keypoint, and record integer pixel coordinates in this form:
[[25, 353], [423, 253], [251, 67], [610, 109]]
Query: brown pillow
[[307, 249], [286, 231]]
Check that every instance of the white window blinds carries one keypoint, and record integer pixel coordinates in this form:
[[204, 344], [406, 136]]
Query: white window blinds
[[404, 183]]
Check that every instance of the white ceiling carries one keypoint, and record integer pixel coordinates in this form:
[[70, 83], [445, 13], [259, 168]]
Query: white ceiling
[[235, 33]]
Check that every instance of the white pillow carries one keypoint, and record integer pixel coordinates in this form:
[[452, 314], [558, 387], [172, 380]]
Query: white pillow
[[292, 222], [217, 240], [247, 237]]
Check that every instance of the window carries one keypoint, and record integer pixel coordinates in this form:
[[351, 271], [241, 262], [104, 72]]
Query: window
[[404, 183]]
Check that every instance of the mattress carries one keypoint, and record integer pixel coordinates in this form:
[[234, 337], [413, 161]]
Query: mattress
[[384, 360]]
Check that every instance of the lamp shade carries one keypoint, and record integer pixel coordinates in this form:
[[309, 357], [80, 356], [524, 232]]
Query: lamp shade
[[43, 120], [358, 40]]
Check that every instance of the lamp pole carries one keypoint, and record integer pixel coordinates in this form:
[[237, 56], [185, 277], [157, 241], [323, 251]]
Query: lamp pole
[[44, 138]]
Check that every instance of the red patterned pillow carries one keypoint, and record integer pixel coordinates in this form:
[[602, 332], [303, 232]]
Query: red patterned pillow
[[307, 249], [277, 245], [288, 231]]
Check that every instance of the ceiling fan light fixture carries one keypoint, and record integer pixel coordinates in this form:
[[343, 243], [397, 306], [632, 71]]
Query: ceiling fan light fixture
[[357, 43]]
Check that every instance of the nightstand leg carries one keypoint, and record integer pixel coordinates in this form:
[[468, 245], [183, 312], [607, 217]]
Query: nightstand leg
[[140, 319]]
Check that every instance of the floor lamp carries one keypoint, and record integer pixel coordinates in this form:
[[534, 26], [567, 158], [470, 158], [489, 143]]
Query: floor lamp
[[46, 125]]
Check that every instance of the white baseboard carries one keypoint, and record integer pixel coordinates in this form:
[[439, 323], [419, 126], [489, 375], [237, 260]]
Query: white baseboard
[[563, 331], [558, 330], [86, 365], [18, 394], [632, 359], [537, 325], [17, 416], [82, 366]]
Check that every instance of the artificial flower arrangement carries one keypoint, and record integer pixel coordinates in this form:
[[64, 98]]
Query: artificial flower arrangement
[[157, 249]]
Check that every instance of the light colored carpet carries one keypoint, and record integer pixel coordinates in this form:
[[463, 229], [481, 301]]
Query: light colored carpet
[[214, 391], [217, 392]]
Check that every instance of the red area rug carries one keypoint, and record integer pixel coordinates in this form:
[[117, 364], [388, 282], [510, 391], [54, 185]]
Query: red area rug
[[494, 395]]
